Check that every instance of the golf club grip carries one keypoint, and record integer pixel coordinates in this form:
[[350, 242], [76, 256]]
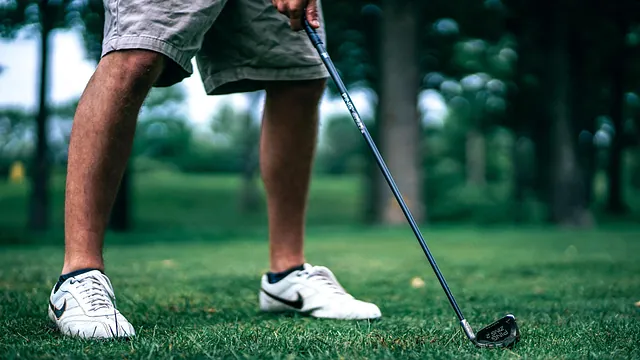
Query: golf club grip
[[333, 72]]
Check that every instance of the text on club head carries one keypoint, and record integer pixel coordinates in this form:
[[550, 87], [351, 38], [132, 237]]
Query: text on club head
[[498, 334]]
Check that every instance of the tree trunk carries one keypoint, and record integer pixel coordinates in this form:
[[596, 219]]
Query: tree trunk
[[249, 194], [376, 187], [615, 202], [475, 144], [524, 112], [543, 158], [476, 158], [374, 182], [400, 129], [568, 207], [39, 209], [584, 97], [523, 151]]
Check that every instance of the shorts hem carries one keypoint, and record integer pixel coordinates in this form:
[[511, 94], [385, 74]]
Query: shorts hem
[[128, 42], [213, 83]]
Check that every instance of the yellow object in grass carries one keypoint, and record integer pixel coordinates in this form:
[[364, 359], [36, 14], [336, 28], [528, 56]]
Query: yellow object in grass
[[417, 283], [17, 172]]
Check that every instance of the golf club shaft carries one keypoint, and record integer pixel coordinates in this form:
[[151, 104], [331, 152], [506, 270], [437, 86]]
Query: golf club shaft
[[317, 42]]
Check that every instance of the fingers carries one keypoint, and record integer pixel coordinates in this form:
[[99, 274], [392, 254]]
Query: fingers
[[312, 14], [281, 6], [295, 10], [295, 16]]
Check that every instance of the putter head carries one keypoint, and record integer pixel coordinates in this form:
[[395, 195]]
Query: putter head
[[502, 333]]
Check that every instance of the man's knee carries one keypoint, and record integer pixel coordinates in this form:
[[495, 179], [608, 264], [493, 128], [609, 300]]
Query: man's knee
[[304, 91], [137, 66]]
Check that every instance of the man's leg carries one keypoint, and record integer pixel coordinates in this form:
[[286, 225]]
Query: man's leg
[[101, 140], [287, 147], [288, 141], [289, 132], [81, 302]]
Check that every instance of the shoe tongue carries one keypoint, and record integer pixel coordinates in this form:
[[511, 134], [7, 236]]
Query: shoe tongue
[[100, 293], [98, 276], [320, 270], [92, 273], [324, 273]]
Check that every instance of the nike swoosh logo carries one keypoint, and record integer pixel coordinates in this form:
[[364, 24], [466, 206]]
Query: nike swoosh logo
[[296, 304], [58, 312]]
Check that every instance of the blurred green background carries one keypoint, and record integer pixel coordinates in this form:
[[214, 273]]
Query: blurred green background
[[519, 120], [494, 112]]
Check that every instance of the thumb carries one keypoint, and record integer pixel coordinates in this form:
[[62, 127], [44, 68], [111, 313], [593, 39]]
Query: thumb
[[312, 14]]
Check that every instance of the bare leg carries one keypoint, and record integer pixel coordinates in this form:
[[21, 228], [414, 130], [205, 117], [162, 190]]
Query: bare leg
[[288, 141], [100, 145]]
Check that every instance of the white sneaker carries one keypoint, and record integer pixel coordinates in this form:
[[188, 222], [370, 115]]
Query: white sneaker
[[314, 291], [84, 306]]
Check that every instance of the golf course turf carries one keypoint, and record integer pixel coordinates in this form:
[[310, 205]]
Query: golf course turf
[[191, 291]]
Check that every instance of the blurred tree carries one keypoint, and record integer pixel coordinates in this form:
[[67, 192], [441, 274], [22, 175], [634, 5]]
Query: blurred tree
[[249, 193], [93, 17], [556, 102], [343, 150], [399, 124], [618, 66], [353, 40], [238, 133], [47, 15], [467, 42], [450, 35], [522, 108], [584, 101], [506, 43], [371, 17], [568, 203], [16, 130], [163, 132]]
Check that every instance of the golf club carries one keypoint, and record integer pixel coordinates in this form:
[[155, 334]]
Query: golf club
[[502, 333]]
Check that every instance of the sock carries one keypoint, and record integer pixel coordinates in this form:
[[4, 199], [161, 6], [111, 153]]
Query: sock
[[275, 277], [65, 277]]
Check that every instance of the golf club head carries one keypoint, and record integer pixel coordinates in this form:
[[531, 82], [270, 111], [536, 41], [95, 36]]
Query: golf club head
[[502, 333]]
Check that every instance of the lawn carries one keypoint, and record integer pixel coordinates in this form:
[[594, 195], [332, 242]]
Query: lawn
[[187, 202], [190, 288]]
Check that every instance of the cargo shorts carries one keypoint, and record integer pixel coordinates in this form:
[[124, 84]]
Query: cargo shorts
[[238, 44]]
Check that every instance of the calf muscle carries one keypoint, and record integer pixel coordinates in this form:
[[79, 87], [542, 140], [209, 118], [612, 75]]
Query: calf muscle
[[99, 148]]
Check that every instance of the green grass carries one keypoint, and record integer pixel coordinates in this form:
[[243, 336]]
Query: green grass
[[188, 282], [177, 201], [573, 294]]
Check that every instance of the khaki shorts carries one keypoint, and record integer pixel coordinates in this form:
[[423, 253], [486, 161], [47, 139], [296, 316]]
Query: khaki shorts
[[238, 44]]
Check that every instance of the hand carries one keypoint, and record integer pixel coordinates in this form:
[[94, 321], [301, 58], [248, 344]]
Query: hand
[[295, 10]]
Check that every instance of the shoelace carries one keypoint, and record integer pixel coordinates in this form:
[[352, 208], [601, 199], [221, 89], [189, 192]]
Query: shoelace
[[324, 277], [96, 291]]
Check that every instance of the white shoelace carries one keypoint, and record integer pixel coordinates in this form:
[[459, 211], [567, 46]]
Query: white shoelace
[[325, 278], [97, 292]]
